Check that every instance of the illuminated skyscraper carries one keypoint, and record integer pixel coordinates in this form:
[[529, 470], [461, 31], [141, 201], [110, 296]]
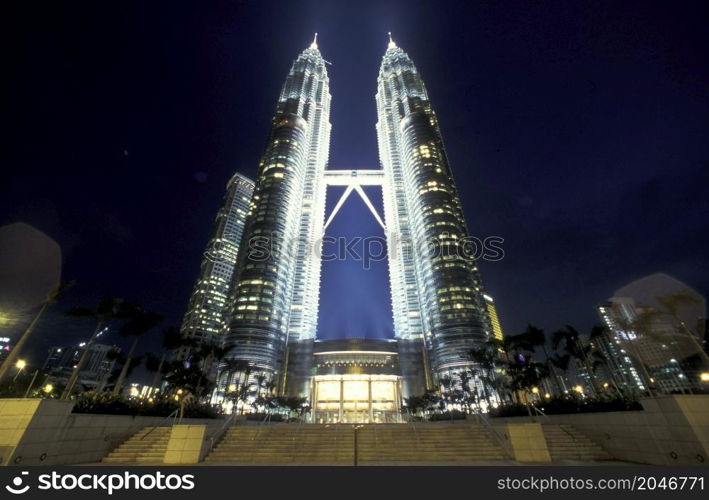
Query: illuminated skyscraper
[[494, 319], [436, 288], [205, 319], [276, 291]]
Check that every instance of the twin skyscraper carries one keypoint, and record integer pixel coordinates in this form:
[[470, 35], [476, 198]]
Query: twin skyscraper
[[271, 307]]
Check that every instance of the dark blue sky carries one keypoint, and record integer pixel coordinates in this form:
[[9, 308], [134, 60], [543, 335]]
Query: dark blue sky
[[576, 130]]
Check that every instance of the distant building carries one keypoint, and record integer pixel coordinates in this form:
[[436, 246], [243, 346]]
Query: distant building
[[494, 319], [99, 365], [5, 348], [205, 318], [647, 346]]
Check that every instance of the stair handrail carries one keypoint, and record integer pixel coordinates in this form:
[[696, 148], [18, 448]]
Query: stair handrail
[[540, 412], [217, 435], [260, 426], [295, 435], [502, 440], [172, 415], [413, 426]]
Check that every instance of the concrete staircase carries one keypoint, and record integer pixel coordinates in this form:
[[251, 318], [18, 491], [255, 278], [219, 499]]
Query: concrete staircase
[[566, 443], [286, 443], [143, 447], [376, 444], [427, 443]]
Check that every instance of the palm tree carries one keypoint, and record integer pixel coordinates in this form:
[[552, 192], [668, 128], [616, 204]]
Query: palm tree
[[108, 309], [533, 338], [260, 380], [672, 304], [600, 356], [12, 356], [140, 322], [561, 362], [230, 366], [573, 345], [171, 339]]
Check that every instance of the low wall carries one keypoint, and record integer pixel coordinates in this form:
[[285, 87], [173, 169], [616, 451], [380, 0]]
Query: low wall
[[672, 430], [45, 432]]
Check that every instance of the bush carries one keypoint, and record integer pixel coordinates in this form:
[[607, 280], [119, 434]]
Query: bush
[[569, 404], [104, 403], [448, 415]]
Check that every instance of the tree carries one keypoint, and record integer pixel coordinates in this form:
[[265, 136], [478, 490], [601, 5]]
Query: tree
[[574, 346], [139, 323], [107, 310], [171, 339], [534, 337], [672, 304], [15, 352], [525, 375]]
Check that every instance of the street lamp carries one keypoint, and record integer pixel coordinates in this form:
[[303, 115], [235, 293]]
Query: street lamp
[[579, 389], [20, 365], [48, 388], [704, 377]]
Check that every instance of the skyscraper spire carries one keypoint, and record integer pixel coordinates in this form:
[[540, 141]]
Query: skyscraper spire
[[392, 44], [314, 45]]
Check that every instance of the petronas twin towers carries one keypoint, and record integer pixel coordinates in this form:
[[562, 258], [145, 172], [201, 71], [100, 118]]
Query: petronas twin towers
[[437, 298]]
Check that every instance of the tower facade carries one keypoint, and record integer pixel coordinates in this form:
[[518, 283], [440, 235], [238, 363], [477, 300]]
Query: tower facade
[[437, 295], [208, 308], [277, 286]]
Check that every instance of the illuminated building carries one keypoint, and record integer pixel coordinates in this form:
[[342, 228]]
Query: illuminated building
[[436, 296], [205, 319], [276, 293], [438, 308], [5, 348], [645, 342], [356, 380], [61, 361], [494, 320]]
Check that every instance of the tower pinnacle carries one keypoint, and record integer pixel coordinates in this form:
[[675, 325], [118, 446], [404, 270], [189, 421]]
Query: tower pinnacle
[[314, 45], [391, 42]]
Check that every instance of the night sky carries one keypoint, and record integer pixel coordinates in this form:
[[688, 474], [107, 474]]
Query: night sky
[[576, 131]]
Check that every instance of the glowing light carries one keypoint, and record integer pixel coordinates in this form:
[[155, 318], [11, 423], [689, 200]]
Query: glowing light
[[704, 377], [605, 385], [547, 395], [314, 45], [48, 388], [535, 390], [579, 389], [391, 42], [21, 363], [232, 388]]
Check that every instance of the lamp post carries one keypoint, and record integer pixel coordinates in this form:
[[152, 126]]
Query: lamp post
[[20, 365]]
